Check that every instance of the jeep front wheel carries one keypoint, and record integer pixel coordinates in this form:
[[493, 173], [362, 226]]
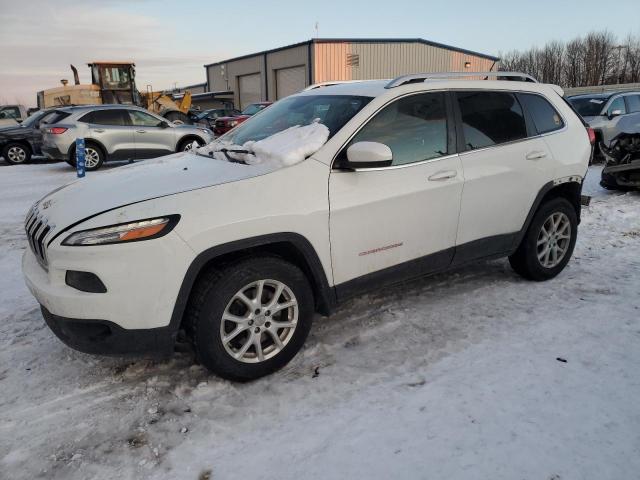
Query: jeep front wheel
[[251, 318]]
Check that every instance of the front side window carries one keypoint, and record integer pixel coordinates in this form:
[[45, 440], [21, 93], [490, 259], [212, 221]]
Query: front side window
[[105, 117], [545, 118], [633, 102], [142, 119], [334, 111], [115, 77], [414, 128], [617, 104], [490, 118]]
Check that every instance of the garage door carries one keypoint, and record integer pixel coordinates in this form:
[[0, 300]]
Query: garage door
[[290, 81], [249, 89]]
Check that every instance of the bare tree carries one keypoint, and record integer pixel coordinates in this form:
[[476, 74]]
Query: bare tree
[[595, 59]]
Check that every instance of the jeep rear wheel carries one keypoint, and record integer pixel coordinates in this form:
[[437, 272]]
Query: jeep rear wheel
[[549, 241], [251, 318]]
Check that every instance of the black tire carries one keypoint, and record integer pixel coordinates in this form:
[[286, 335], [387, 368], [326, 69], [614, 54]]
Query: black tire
[[89, 145], [216, 290], [185, 145], [525, 259], [15, 153], [608, 182], [178, 118]]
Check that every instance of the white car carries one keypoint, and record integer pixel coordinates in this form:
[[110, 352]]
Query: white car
[[241, 249]]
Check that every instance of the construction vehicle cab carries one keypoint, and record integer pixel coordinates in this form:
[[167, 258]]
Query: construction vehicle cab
[[116, 81]]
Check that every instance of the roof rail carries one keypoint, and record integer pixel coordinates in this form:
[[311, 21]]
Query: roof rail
[[423, 77], [328, 84]]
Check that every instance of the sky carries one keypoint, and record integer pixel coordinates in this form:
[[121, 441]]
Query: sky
[[170, 41]]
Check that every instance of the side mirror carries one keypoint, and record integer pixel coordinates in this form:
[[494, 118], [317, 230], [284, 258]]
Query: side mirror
[[614, 113], [163, 124], [369, 155]]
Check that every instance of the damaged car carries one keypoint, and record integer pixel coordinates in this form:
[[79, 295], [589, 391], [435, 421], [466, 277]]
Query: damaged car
[[622, 162]]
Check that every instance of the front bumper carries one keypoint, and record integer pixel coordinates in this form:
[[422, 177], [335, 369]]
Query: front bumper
[[107, 338], [142, 281], [623, 175]]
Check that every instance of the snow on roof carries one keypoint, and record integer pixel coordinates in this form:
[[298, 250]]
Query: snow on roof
[[365, 88]]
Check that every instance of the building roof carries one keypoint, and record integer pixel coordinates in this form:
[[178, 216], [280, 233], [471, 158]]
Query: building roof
[[360, 40]]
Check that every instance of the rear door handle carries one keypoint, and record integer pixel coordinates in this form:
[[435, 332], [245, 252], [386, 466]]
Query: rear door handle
[[443, 175], [141, 131], [535, 155], [98, 130]]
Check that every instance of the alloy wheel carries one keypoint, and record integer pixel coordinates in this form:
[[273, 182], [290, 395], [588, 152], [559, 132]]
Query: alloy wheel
[[17, 154], [91, 157], [259, 321], [553, 240]]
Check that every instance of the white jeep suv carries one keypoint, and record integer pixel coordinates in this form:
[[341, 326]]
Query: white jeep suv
[[240, 249]]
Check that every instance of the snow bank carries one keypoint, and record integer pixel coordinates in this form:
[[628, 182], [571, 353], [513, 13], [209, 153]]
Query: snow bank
[[281, 149]]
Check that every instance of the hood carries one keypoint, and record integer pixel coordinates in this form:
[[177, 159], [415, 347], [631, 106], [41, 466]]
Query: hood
[[170, 175], [11, 129]]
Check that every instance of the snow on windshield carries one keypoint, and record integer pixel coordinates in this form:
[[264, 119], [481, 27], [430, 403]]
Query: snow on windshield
[[281, 149]]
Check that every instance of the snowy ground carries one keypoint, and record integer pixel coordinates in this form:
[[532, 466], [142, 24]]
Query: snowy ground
[[452, 377]]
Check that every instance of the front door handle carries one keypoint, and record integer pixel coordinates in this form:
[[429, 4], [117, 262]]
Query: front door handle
[[141, 131], [98, 130], [443, 175], [535, 155]]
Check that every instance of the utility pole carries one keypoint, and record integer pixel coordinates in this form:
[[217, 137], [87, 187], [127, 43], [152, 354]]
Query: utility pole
[[619, 48]]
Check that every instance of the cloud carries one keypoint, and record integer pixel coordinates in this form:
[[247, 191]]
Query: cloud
[[36, 53]]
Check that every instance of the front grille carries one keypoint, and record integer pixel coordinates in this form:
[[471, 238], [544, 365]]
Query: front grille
[[220, 123], [37, 229]]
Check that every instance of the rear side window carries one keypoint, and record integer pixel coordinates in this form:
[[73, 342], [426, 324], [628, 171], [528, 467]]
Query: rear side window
[[55, 117], [545, 118], [490, 118], [105, 117], [633, 103], [414, 128]]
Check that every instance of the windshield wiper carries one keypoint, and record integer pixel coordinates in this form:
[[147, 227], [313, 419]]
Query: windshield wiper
[[226, 152]]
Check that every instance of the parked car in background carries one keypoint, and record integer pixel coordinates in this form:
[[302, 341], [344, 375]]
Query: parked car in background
[[12, 114], [224, 124], [609, 114], [116, 132], [405, 178], [19, 142], [207, 118]]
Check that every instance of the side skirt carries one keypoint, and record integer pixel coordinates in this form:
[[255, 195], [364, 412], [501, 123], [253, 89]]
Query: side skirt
[[492, 247]]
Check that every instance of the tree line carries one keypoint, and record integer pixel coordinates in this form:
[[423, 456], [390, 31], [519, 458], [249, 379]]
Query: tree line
[[598, 58]]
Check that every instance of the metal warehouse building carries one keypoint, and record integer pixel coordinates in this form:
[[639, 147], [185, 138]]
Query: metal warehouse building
[[274, 74]]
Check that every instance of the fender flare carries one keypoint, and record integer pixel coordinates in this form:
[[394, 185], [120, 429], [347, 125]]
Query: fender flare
[[325, 295]]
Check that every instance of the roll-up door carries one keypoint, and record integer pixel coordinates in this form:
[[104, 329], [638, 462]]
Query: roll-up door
[[249, 89], [290, 81]]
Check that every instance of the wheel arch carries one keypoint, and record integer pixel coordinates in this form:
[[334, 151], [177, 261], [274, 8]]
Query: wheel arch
[[97, 143], [289, 246], [570, 190], [21, 141], [186, 138]]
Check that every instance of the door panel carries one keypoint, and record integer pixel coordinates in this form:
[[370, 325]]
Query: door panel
[[382, 218], [394, 217], [111, 128], [151, 139], [504, 168]]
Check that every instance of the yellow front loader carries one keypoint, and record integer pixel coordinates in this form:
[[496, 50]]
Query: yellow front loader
[[114, 82]]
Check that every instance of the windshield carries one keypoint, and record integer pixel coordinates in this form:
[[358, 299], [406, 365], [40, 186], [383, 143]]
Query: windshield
[[588, 106], [35, 118], [331, 110]]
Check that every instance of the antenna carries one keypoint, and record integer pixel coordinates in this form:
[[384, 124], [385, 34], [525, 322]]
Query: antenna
[[317, 28]]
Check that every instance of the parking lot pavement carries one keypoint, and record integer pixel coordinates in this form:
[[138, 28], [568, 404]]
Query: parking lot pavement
[[471, 374]]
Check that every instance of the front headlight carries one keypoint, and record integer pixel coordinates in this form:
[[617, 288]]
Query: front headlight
[[124, 232], [232, 123], [206, 131]]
